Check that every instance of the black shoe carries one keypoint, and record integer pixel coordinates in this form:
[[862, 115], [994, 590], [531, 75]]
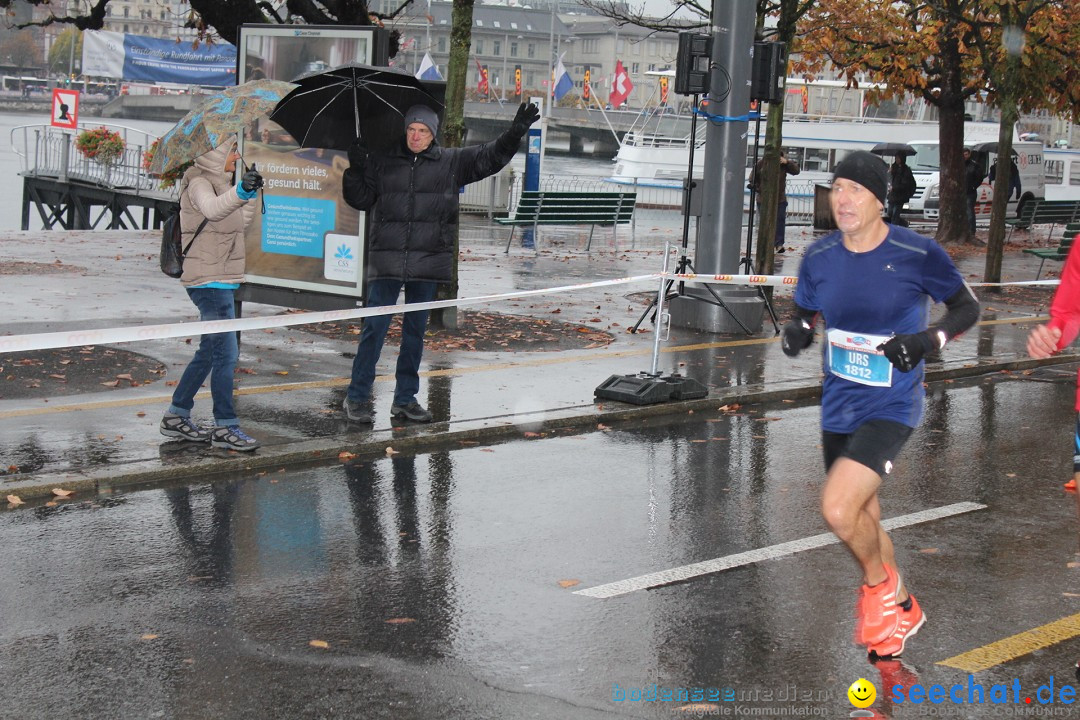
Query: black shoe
[[413, 411], [358, 412], [780, 250]]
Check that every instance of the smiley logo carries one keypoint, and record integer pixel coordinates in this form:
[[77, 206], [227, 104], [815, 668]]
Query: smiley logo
[[861, 693]]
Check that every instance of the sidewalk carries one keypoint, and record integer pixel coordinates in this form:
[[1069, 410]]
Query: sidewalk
[[294, 380]]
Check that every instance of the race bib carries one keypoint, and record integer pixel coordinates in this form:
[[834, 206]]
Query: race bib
[[854, 357]]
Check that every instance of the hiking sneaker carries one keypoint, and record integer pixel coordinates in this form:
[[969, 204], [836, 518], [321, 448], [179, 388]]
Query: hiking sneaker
[[909, 624], [358, 412], [176, 426], [876, 617], [413, 411], [231, 437]]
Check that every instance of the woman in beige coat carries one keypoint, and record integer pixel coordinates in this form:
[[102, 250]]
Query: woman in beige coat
[[213, 270]]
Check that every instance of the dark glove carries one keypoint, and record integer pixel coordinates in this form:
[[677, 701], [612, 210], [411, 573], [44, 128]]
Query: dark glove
[[358, 153], [796, 336], [251, 181], [527, 114], [905, 352]]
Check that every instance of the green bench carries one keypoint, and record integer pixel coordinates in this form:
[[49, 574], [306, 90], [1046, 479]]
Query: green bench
[[1041, 212], [547, 207], [1055, 253]]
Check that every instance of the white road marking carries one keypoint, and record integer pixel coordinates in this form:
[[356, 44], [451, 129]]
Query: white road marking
[[686, 572]]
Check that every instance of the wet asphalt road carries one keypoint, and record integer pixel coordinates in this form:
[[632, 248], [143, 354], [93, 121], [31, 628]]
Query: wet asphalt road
[[434, 580]]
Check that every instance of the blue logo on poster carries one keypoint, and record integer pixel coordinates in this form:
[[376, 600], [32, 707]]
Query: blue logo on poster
[[343, 253]]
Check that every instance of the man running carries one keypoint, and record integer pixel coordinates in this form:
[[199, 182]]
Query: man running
[[872, 282]]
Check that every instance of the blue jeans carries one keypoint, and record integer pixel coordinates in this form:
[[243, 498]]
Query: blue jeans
[[413, 325], [215, 357]]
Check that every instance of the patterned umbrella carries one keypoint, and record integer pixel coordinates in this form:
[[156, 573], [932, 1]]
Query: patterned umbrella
[[220, 115]]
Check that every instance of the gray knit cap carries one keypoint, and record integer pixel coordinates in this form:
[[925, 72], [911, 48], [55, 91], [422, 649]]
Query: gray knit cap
[[424, 115]]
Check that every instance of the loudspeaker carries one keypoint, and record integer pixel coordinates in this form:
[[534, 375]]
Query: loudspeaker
[[692, 64], [768, 72]]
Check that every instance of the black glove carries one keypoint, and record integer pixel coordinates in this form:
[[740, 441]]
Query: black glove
[[527, 114], [796, 336], [251, 180], [905, 352], [358, 153]]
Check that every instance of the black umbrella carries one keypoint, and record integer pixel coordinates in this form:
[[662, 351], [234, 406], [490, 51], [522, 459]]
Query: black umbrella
[[889, 148], [988, 147], [332, 108]]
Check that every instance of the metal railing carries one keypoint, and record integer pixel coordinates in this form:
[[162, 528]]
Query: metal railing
[[48, 151], [663, 201]]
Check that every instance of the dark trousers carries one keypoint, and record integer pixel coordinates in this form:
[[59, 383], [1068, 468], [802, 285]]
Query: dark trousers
[[971, 197], [413, 324]]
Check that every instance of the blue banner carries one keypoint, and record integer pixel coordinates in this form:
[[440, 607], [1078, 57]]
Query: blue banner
[[138, 58]]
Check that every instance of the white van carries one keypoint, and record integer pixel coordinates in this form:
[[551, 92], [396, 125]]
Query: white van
[[926, 167]]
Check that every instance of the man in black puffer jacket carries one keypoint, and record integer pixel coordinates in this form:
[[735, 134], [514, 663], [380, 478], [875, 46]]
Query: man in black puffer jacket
[[412, 192]]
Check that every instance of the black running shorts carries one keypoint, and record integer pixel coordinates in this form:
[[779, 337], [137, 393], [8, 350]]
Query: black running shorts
[[874, 444]]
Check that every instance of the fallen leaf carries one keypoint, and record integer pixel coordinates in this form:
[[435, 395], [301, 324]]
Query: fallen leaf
[[530, 434], [320, 644], [486, 450], [1072, 565], [125, 376], [1010, 475], [346, 455], [602, 426], [140, 414], [111, 383], [569, 583], [14, 500], [149, 636], [282, 372], [400, 621], [391, 451], [58, 377], [929, 551], [59, 492]]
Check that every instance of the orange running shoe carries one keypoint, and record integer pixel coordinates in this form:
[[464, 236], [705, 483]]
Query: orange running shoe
[[895, 674], [877, 617], [1071, 485], [910, 622]]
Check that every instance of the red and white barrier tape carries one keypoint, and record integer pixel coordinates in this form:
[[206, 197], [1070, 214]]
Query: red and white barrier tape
[[109, 336]]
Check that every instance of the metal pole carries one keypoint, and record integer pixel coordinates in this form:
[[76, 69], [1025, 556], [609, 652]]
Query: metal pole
[[551, 62], [660, 313]]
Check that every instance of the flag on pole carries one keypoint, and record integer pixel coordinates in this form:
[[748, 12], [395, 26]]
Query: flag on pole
[[482, 80], [620, 86], [563, 83], [428, 69]]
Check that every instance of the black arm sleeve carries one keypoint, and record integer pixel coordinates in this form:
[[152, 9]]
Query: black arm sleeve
[[805, 315], [962, 311]]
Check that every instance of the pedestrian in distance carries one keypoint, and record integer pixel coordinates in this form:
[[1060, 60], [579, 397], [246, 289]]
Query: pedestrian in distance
[[1059, 333], [214, 212], [787, 167], [1014, 176], [412, 193], [973, 177], [901, 189], [870, 282]]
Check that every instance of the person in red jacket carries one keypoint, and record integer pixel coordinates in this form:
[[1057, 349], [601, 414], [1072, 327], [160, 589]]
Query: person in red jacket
[[1054, 336]]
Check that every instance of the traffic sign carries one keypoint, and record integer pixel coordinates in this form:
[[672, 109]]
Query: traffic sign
[[65, 108]]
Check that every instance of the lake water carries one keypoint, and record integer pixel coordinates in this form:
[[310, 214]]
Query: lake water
[[586, 171]]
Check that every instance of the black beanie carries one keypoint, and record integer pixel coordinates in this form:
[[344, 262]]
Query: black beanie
[[424, 115], [866, 169]]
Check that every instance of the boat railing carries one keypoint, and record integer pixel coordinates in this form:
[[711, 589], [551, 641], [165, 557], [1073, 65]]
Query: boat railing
[[47, 151]]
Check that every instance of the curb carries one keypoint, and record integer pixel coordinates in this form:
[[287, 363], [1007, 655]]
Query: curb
[[438, 436]]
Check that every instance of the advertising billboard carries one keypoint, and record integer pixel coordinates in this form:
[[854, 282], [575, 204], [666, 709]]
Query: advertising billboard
[[305, 237]]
